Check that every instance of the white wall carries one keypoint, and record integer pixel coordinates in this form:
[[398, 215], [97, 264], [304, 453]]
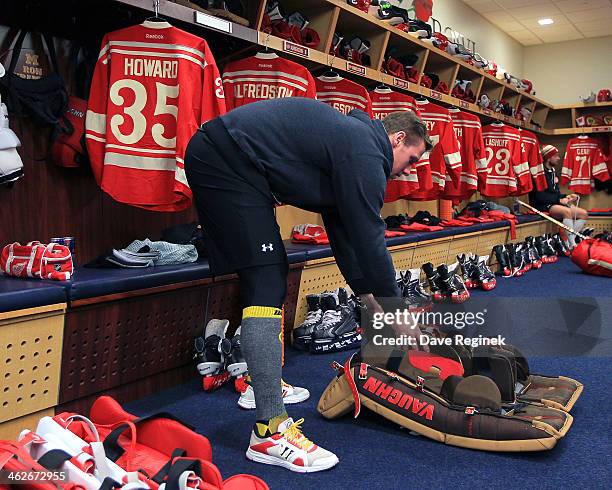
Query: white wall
[[491, 42], [561, 72]]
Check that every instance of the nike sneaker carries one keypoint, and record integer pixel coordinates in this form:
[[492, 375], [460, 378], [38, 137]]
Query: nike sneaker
[[211, 354], [291, 395], [302, 335], [290, 448]]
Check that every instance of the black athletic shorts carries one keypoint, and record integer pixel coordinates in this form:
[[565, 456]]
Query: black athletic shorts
[[234, 203]]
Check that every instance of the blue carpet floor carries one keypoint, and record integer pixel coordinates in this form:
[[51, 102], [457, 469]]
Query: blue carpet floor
[[377, 454]]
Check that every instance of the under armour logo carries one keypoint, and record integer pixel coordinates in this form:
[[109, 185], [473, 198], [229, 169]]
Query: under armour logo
[[267, 248]]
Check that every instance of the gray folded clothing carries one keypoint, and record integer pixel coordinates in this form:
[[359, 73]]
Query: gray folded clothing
[[167, 253]]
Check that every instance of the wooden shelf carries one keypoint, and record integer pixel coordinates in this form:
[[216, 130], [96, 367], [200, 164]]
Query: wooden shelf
[[581, 105], [597, 129]]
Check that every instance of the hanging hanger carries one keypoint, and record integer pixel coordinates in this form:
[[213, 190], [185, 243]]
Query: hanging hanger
[[266, 53], [382, 86], [421, 98], [156, 17]]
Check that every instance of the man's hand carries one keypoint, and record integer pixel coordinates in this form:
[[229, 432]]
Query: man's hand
[[572, 197], [564, 201]]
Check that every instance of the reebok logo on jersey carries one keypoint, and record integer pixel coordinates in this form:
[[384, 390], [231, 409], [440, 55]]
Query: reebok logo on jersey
[[154, 36], [267, 248]]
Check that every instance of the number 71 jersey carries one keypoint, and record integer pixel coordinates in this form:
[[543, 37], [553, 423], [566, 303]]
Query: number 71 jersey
[[153, 86]]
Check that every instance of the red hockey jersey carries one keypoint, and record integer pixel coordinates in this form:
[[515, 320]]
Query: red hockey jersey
[[265, 76], [583, 161], [444, 159], [471, 146], [506, 162], [343, 95], [385, 102], [147, 78], [531, 147]]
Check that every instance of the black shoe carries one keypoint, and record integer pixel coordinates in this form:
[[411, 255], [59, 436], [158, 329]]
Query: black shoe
[[435, 283], [484, 274], [453, 287], [302, 335], [337, 320], [237, 365], [524, 248], [545, 250], [559, 245], [516, 259], [212, 352], [416, 298], [503, 259], [587, 232], [469, 270], [534, 255]]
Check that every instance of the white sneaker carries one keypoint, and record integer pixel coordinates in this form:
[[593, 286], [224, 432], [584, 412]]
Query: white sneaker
[[291, 449], [291, 394]]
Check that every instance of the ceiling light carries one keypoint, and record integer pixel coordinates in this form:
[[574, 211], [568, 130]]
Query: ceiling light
[[545, 22]]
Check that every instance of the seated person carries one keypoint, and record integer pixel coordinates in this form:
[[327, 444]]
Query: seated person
[[560, 206]]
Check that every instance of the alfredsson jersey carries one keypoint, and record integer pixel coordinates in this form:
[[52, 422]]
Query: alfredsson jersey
[[265, 76], [468, 130], [506, 162], [343, 95], [531, 147], [444, 159], [153, 85], [583, 161]]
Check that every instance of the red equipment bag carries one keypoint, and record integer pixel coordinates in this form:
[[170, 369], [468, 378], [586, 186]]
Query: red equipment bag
[[14, 458], [594, 257], [52, 261], [68, 149], [161, 442]]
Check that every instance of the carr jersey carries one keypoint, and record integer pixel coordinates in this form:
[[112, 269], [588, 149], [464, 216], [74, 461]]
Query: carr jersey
[[265, 76], [343, 95], [384, 102], [147, 78], [443, 160], [531, 147], [471, 146], [506, 162], [583, 161]]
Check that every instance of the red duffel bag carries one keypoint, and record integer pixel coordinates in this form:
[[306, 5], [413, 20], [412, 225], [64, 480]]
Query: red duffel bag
[[594, 257], [52, 261]]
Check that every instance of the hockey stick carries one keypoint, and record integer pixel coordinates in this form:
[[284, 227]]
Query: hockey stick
[[553, 220]]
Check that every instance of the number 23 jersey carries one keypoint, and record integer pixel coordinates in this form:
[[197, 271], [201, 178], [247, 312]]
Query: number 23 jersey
[[153, 86]]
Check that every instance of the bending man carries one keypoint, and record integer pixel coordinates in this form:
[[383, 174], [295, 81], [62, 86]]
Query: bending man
[[304, 153]]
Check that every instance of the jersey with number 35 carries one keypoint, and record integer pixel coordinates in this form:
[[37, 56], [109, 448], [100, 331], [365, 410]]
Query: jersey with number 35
[[153, 86]]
